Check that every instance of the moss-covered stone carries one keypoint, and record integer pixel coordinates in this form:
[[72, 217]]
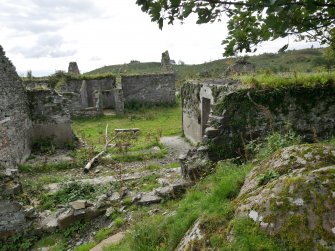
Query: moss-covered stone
[[298, 206], [254, 113]]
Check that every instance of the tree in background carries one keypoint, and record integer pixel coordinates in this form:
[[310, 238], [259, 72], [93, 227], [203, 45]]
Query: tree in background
[[253, 21]]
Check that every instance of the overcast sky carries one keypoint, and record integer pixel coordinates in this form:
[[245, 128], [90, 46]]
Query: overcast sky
[[45, 35]]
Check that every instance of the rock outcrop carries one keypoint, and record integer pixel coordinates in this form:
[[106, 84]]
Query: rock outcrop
[[292, 196]]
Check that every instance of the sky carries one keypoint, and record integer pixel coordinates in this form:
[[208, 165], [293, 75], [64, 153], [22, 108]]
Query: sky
[[45, 35]]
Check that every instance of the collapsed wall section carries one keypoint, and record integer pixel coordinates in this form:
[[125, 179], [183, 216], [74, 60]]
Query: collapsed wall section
[[50, 116], [149, 89]]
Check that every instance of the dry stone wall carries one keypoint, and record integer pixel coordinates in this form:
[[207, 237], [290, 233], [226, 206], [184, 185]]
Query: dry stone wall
[[149, 89]]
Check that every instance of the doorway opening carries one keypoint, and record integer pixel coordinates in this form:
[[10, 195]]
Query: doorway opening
[[205, 111]]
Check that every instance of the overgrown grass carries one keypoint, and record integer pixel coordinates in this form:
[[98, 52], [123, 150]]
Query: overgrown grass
[[46, 167], [152, 122], [211, 197], [272, 143], [70, 192], [306, 60], [288, 79], [211, 200]]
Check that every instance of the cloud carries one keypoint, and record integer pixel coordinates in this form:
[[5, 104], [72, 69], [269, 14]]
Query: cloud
[[39, 16], [46, 46], [95, 58]]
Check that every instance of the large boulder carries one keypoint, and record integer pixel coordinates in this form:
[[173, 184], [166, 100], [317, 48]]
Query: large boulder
[[291, 195]]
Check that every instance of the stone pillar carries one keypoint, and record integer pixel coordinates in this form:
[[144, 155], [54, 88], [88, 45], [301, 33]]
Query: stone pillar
[[119, 101], [73, 68], [83, 94], [165, 62]]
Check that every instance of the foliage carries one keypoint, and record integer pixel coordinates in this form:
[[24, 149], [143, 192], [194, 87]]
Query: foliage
[[210, 197], [306, 60], [17, 242], [74, 229], [251, 21], [266, 177], [46, 167], [85, 247], [272, 143], [57, 79], [103, 234], [69, 192], [289, 79], [43, 146]]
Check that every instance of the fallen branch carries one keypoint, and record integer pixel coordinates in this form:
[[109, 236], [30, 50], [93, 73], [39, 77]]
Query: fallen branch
[[96, 157]]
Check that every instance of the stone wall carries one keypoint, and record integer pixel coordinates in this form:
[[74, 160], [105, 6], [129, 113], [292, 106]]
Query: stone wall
[[251, 114], [83, 95], [92, 86], [14, 116], [239, 114], [149, 89], [15, 126], [50, 116], [198, 100]]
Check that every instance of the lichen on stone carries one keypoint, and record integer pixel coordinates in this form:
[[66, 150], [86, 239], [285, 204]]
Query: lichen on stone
[[298, 206]]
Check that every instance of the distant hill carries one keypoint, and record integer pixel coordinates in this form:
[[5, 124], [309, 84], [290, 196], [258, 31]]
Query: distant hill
[[305, 60]]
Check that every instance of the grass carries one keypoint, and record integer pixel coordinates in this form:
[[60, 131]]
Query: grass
[[152, 122], [211, 200], [211, 197], [46, 167], [306, 60], [288, 79]]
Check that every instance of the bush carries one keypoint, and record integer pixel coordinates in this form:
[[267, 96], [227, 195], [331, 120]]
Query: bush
[[272, 143]]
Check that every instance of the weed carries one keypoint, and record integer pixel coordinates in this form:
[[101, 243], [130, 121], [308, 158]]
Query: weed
[[272, 143], [211, 196], [17, 242], [264, 178], [103, 234], [118, 222], [74, 229], [85, 247], [69, 192], [43, 146]]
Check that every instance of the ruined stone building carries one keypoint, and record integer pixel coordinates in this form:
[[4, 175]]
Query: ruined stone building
[[227, 115], [25, 117], [90, 95]]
